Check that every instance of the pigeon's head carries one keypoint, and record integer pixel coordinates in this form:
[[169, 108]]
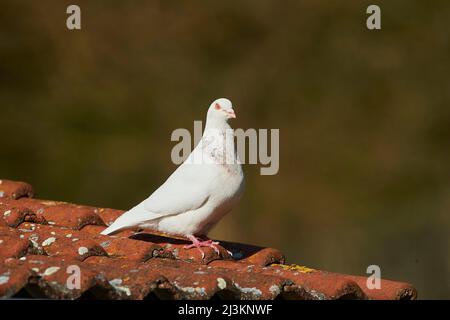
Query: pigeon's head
[[221, 109]]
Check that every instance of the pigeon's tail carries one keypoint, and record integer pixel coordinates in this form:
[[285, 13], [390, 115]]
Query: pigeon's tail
[[112, 229]]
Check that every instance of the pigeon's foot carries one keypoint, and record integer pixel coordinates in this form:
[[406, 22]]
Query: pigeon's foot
[[197, 243]]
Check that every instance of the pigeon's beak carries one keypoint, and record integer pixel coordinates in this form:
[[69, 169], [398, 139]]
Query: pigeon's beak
[[231, 114]]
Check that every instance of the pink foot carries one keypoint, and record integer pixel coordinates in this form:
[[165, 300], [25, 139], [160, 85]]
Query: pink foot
[[196, 243]]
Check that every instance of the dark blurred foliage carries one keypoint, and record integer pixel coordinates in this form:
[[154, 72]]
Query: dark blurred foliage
[[364, 117]]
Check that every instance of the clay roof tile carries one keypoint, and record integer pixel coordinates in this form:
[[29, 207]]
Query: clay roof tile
[[51, 249]]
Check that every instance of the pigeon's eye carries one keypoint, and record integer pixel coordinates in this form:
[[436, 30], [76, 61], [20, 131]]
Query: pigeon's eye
[[217, 106]]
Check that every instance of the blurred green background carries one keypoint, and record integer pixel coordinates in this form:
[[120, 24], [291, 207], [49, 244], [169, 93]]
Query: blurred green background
[[364, 117]]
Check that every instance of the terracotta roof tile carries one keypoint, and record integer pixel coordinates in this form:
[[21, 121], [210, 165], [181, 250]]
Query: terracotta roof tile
[[254, 254], [61, 213], [11, 245], [109, 215], [392, 290], [13, 216], [173, 247], [48, 278], [13, 279], [15, 189], [42, 242]]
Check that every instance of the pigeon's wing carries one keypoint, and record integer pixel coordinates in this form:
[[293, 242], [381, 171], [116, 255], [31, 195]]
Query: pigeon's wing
[[185, 190], [188, 188]]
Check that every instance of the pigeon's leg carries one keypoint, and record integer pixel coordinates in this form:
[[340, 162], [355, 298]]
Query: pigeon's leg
[[196, 243]]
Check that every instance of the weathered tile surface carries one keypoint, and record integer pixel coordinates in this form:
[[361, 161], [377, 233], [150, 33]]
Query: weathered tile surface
[[45, 244]]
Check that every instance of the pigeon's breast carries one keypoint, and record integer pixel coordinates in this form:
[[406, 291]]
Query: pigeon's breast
[[218, 146]]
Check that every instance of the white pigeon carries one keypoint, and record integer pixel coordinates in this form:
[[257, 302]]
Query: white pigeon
[[200, 191]]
